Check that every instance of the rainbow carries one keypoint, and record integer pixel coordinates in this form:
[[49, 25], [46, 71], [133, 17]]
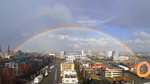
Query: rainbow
[[72, 27]]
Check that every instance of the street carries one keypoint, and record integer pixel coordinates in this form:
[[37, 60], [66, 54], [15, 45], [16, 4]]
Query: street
[[53, 77]]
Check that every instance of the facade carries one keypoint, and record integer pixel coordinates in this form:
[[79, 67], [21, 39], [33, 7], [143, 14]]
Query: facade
[[67, 66], [69, 77], [122, 58], [115, 55], [7, 76], [109, 54], [82, 53], [87, 72], [62, 54], [70, 58], [114, 72], [15, 66]]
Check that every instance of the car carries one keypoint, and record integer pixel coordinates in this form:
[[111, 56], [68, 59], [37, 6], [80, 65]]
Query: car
[[52, 67]]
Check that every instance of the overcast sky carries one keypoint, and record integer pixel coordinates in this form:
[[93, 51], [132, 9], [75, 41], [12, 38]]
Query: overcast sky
[[126, 20]]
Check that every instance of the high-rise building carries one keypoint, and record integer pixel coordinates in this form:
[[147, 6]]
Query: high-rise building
[[89, 53], [116, 55], [109, 54], [113, 55], [62, 54], [82, 53]]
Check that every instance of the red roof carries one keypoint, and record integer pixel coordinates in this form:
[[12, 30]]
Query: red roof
[[95, 64]]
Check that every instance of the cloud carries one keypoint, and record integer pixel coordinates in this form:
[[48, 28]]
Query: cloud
[[55, 42], [21, 18], [132, 14], [26, 34], [142, 34], [87, 21], [139, 45]]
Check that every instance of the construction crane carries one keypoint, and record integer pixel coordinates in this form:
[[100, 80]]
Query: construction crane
[[124, 53]]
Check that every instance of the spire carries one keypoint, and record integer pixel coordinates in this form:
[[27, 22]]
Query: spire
[[8, 49]]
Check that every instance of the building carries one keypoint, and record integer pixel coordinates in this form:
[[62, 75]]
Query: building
[[115, 76], [19, 53], [113, 72], [68, 74], [97, 65], [8, 50], [15, 66], [82, 53], [115, 55], [109, 54], [62, 54], [87, 72], [67, 66], [7, 76], [112, 55], [89, 53], [122, 58], [69, 77], [70, 58]]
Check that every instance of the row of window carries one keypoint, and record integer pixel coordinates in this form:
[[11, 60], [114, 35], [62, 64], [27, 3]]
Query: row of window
[[68, 81]]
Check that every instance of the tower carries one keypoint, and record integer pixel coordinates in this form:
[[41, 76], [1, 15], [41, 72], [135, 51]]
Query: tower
[[8, 50]]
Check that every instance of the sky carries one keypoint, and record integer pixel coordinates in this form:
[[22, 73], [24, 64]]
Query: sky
[[126, 20]]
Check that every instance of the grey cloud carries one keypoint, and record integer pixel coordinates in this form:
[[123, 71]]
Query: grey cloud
[[129, 13], [15, 12], [142, 34]]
